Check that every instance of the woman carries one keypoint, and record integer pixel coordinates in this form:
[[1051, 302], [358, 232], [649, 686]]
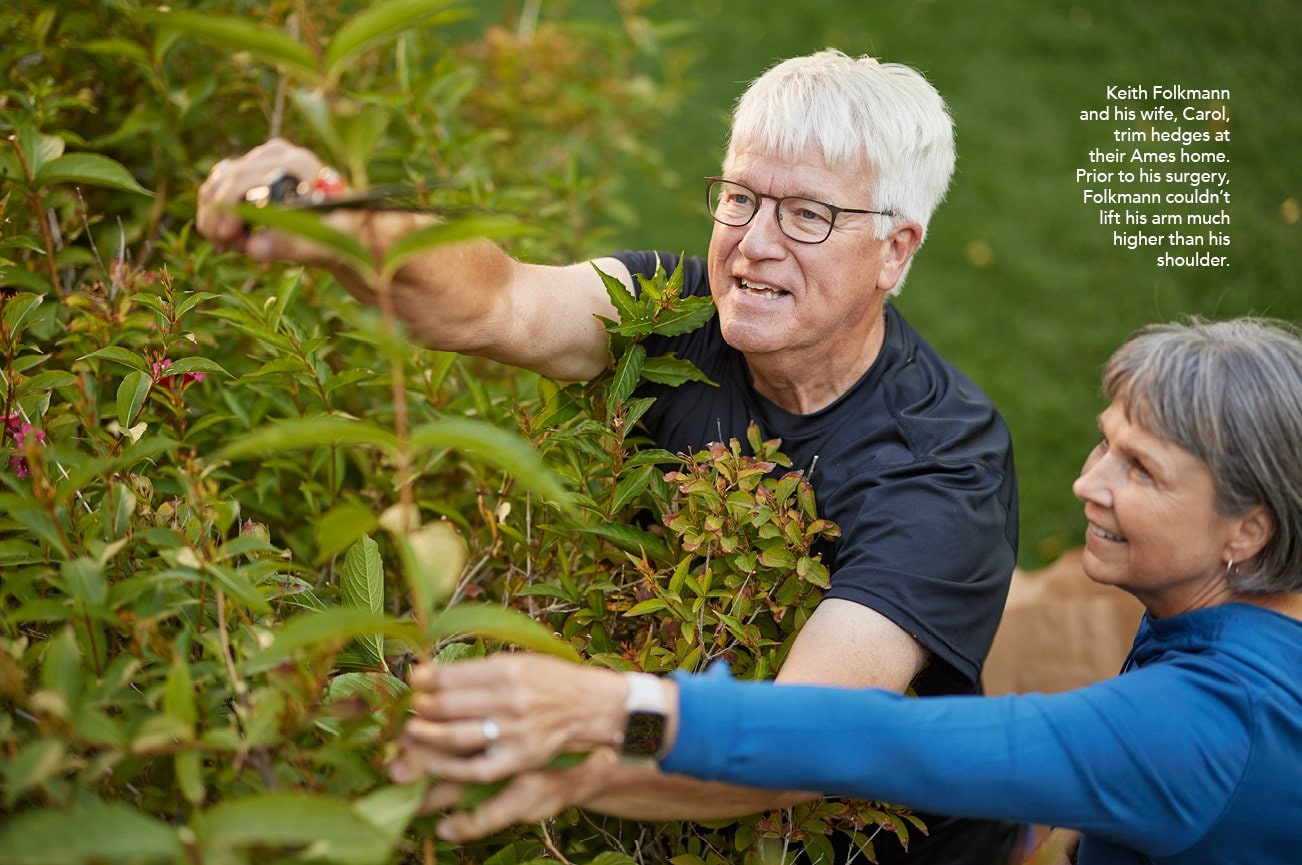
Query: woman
[[1193, 500]]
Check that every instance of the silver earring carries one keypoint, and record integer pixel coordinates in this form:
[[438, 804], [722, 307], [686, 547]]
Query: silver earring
[[1229, 569]]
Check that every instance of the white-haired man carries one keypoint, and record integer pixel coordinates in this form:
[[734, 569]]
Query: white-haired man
[[833, 169]]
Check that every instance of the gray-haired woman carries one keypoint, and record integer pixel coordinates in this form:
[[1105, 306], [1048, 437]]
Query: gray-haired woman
[[1193, 499]]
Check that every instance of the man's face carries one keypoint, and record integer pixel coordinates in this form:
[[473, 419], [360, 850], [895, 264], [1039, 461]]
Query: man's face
[[784, 300]]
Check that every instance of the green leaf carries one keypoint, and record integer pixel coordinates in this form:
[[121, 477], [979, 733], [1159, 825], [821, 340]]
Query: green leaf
[[496, 447], [628, 373], [232, 34], [117, 48], [47, 381], [359, 131], [61, 668], [469, 228], [361, 579], [673, 371], [433, 557], [328, 629], [132, 393], [237, 587], [85, 581], [196, 364], [684, 316], [88, 832], [361, 584], [629, 307], [306, 224], [17, 309], [379, 23], [329, 827], [777, 557], [91, 168], [189, 776], [340, 527], [630, 486], [37, 149], [21, 278], [390, 809], [178, 694], [650, 605], [503, 624], [629, 538], [305, 433], [118, 354], [34, 762], [368, 685]]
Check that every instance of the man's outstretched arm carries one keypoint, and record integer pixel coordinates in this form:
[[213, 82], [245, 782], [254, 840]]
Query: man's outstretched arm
[[469, 297]]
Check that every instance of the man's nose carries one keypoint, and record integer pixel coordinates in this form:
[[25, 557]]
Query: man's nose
[[763, 233]]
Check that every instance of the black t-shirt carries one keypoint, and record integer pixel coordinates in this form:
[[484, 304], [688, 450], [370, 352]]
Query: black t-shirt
[[916, 467], [913, 463]]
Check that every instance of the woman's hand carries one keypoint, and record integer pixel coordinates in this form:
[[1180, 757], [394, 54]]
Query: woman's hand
[[483, 720]]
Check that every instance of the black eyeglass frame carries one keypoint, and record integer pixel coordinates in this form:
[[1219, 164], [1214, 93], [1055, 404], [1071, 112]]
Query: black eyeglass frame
[[710, 183]]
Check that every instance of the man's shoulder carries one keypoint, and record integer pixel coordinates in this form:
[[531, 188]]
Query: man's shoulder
[[932, 403]]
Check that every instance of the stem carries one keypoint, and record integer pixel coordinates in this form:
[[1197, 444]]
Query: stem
[[237, 683], [398, 388], [35, 195]]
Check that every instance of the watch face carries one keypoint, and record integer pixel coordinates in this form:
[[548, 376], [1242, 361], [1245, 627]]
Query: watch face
[[644, 734]]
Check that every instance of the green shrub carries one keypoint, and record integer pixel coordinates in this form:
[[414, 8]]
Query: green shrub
[[236, 507]]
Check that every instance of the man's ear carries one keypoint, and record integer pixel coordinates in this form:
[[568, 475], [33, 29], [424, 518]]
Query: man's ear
[[900, 245], [1251, 534]]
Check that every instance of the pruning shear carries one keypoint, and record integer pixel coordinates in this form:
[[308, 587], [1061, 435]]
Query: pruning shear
[[327, 192]]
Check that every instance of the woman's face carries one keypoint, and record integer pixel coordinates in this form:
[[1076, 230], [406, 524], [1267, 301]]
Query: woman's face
[[1154, 529]]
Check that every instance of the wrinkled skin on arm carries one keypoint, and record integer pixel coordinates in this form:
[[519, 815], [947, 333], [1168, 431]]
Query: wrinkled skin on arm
[[469, 297]]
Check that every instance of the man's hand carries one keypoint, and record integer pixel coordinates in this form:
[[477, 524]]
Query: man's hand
[[1056, 848], [468, 297], [229, 182]]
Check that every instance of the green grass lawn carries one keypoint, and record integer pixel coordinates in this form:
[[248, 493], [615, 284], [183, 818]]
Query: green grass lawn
[[1018, 283]]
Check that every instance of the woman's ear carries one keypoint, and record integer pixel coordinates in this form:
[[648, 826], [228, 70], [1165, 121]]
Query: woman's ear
[[1251, 534]]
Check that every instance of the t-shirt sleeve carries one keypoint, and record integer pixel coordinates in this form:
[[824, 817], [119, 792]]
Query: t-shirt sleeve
[[928, 546], [1147, 760]]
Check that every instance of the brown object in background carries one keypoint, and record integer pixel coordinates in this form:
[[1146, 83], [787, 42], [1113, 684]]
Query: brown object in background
[[1060, 630]]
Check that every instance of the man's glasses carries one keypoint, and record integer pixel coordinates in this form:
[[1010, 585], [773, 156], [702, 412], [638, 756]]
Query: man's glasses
[[801, 219]]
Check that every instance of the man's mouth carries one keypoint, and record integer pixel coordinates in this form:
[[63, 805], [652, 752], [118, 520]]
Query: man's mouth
[[759, 289], [1106, 535]]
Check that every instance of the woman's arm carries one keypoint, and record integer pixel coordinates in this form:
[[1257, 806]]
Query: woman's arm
[[1140, 760]]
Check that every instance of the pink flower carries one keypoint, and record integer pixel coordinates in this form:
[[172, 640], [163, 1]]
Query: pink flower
[[26, 430], [186, 377], [13, 423], [20, 467]]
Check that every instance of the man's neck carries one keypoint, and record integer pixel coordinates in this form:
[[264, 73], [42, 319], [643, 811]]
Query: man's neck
[[809, 381]]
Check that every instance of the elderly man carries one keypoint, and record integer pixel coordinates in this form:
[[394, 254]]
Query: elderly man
[[833, 169]]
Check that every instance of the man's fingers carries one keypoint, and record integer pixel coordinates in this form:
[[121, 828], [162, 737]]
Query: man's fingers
[[231, 179]]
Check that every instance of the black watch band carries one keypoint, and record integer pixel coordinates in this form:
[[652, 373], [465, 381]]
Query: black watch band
[[644, 729]]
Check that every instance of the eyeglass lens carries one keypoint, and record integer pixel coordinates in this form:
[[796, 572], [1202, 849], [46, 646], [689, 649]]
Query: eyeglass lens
[[800, 218]]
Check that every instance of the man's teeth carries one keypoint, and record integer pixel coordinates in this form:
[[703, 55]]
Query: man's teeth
[[757, 288], [1107, 536]]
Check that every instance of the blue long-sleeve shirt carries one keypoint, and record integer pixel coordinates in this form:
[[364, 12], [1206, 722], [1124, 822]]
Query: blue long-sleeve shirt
[[1193, 756]]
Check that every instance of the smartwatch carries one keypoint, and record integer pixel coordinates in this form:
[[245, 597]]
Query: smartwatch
[[644, 729]]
